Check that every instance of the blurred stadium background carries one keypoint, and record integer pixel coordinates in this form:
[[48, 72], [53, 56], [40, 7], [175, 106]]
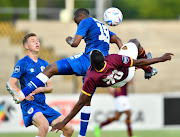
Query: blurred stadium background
[[155, 23]]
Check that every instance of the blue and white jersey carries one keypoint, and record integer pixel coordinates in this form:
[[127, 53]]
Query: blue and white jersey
[[25, 70], [96, 35]]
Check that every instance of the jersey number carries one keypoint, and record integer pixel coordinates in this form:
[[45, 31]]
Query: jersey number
[[115, 75], [104, 32]]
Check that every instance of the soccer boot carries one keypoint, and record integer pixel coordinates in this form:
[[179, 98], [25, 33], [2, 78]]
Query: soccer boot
[[97, 131], [153, 72], [15, 93]]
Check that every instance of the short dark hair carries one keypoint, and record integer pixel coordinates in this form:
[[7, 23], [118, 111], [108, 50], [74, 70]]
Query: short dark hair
[[26, 37], [97, 59], [81, 10]]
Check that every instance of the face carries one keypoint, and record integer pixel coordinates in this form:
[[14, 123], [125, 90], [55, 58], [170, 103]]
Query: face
[[33, 44], [78, 18]]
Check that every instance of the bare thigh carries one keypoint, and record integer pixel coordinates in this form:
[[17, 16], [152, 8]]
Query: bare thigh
[[39, 119]]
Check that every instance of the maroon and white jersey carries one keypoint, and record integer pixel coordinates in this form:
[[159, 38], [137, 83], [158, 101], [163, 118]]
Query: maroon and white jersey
[[115, 70]]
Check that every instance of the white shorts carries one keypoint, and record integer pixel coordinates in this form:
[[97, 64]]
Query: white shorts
[[130, 50], [122, 104]]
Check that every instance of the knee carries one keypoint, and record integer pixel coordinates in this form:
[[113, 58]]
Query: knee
[[44, 128], [128, 120], [49, 70], [135, 41], [69, 131]]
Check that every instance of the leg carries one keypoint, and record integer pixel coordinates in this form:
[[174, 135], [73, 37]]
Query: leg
[[85, 116], [128, 123], [41, 123], [67, 130], [149, 71], [110, 120]]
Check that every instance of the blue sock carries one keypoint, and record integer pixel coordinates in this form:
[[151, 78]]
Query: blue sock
[[85, 115], [36, 82]]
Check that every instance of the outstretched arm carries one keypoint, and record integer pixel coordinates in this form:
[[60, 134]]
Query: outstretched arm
[[144, 62], [117, 40], [81, 102], [74, 42]]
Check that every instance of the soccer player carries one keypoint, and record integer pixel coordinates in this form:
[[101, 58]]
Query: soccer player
[[121, 106], [34, 109], [113, 70], [96, 36]]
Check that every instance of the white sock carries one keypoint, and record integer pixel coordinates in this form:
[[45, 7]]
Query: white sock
[[42, 77], [79, 135], [62, 135], [37, 136], [86, 109]]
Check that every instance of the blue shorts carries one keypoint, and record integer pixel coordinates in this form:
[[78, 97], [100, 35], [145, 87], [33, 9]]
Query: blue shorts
[[77, 64], [29, 109]]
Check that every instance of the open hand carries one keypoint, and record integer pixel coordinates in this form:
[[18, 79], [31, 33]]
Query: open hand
[[167, 56], [58, 126]]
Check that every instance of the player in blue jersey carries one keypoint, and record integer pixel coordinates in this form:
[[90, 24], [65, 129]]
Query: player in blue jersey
[[96, 36], [34, 109]]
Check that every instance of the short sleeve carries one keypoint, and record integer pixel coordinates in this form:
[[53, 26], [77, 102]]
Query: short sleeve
[[83, 27], [89, 86], [111, 33], [18, 70]]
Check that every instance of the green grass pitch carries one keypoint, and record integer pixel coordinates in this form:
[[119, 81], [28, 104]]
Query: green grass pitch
[[144, 133]]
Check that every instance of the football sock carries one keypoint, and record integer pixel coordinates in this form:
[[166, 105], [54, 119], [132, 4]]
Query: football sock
[[62, 135], [129, 130], [142, 54], [85, 115], [36, 82], [37, 136], [128, 123]]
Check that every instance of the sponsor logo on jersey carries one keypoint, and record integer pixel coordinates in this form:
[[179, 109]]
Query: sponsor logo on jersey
[[17, 69], [32, 70], [125, 59], [31, 110], [42, 68]]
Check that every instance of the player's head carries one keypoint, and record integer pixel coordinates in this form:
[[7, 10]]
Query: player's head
[[30, 41], [97, 59], [80, 14]]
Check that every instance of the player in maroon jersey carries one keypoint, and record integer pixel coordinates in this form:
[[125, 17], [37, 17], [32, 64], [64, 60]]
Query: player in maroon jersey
[[121, 106], [113, 70]]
